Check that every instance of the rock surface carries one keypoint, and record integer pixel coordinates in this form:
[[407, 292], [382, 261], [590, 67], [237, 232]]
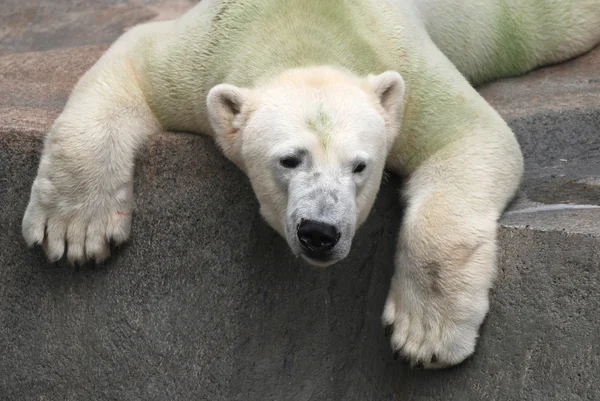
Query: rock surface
[[205, 302]]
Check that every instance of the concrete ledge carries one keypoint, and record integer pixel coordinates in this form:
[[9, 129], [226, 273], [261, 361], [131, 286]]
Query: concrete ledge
[[206, 302], [570, 85]]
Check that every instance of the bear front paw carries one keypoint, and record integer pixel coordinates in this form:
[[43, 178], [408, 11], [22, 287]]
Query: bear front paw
[[433, 311], [80, 224], [427, 335]]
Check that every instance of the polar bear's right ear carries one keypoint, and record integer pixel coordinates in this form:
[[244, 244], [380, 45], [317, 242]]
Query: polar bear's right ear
[[389, 89], [224, 104]]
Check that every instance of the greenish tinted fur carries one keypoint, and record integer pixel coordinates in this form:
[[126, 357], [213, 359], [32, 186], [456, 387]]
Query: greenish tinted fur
[[515, 39], [238, 48], [320, 125], [513, 52], [248, 42]]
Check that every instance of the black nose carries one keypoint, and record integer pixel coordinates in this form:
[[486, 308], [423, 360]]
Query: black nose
[[317, 237]]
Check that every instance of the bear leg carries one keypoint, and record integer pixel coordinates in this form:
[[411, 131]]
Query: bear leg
[[446, 257], [82, 197]]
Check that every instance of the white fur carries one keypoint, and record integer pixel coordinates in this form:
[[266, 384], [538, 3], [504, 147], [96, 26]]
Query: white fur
[[446, 252], [83, 193]]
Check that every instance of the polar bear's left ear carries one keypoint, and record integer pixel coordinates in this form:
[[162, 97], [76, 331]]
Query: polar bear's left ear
[[224, 104], [389, 88]]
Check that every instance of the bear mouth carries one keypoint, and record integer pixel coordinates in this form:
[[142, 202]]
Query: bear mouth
[[319, 262]]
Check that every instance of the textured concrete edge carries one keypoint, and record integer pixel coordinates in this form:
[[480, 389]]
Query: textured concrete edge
[[521, 213], [545, 137]]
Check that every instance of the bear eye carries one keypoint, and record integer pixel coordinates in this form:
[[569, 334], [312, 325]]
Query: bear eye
[[290, 161], [359, 168]]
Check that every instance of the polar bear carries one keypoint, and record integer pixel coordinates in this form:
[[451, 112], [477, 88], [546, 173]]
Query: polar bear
[[312, 99]]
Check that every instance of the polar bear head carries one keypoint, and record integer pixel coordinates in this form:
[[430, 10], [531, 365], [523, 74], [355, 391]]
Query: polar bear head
[[313, 143]]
